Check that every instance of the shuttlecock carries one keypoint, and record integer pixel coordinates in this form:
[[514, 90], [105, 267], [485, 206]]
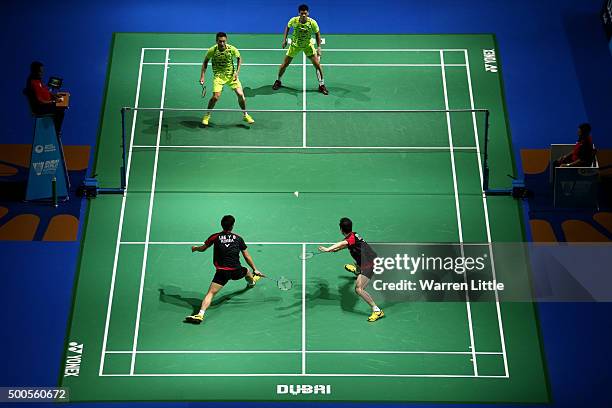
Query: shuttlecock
[[296, 193]]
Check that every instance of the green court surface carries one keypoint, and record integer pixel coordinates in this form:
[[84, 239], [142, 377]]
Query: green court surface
[[403, 177]]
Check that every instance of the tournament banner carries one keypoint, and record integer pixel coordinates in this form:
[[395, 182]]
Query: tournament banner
[[46, 162]]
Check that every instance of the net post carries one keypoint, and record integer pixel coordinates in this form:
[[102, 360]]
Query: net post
[[485, 162]]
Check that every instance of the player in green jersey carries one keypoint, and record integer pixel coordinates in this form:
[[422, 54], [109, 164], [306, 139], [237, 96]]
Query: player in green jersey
[[301, 41], [222, 55]]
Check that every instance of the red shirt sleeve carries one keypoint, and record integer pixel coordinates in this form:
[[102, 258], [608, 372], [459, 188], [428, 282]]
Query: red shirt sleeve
[[210, 240], [40, 91], [351, 239], [576, 151]]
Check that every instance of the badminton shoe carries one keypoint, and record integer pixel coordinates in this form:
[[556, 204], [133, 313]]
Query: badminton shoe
[[351, 268], [376, 315], [195, 319], [255, 279], [206, 119], [248, 119]]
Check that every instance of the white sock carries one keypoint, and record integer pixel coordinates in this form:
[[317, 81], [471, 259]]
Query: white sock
[[201, 312], [320, 78], [376, 309]]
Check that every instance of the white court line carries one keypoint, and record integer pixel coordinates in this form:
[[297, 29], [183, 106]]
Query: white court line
[[121, 214], [309, 375], [310, 110], [299, 352], [486, 216], [148, 233], [443, 148], [300, 243], [199, 64], [458, 211], [303, 244], [325, 49], [304, 144], [303, 309]]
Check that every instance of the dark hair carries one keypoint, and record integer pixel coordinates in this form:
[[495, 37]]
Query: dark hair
[[35, 67], [227, 222], [302, 7], [585, 129], [346, 225], [220, 34]]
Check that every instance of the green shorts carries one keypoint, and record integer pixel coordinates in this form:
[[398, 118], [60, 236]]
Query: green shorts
[[294, 50]]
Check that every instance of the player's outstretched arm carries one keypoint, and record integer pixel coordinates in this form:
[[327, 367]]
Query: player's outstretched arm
[[338, 246], [249, 261], [200, 248]]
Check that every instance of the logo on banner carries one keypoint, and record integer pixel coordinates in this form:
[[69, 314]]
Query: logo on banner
[[490, 60], [50, 148], [73, 362], [50, 166], [38, 167], [38, 148]]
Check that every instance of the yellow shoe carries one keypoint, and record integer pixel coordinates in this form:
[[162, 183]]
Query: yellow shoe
[[255, 279], [375, 316], [195, 319], [205, 119], [351, 268], [248, 119]]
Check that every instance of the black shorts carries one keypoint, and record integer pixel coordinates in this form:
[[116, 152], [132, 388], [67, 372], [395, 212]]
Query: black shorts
[[223, 276], [367, 270]]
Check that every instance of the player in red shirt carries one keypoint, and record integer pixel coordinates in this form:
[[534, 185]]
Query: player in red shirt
[[227, 247], [364, 256]]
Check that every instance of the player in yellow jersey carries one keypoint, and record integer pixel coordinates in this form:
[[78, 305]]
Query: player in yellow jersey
[[303, 28], [222, 55]]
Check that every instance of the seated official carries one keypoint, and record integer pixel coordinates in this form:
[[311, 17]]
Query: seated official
[[583, 152], [42, 101]]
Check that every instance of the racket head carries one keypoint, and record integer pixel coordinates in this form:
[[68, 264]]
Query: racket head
[[284, 284], [306, 255], [203, 90]]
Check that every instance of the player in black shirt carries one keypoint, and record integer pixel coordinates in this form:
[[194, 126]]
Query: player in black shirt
[[227, 247], [364, 256]]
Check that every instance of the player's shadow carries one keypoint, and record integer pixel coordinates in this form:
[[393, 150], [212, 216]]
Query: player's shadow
[[320, 293], [212, 127], [198, 126], [267, 90], [192, 300], [355, 92], [150, 126]]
